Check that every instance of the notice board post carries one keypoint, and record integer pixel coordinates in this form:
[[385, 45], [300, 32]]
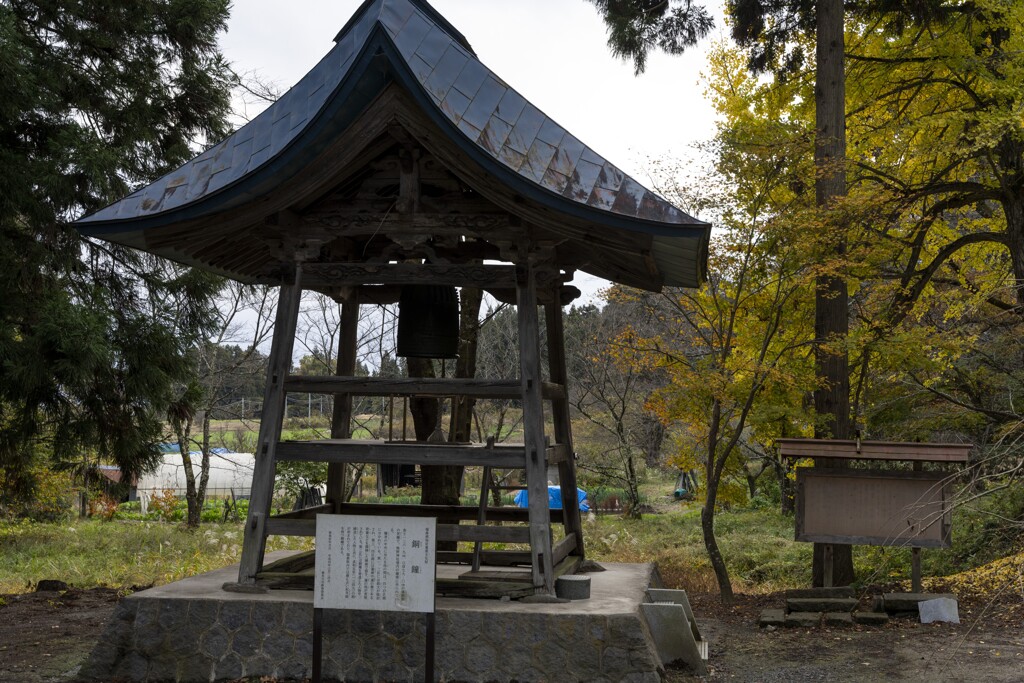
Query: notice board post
[[374, 563]]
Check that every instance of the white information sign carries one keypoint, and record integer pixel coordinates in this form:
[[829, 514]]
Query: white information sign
[[375, 563]]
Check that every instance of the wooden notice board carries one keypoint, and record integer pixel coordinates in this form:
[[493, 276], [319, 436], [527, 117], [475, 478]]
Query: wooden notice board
[[873, 507]]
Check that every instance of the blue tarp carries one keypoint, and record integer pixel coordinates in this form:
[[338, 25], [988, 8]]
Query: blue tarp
[[554, 498]]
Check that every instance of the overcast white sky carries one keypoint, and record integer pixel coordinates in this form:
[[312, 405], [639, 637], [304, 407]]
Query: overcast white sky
[[554, 52]]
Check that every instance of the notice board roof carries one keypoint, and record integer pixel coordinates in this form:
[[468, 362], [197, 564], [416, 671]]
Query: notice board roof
[[874, 450]]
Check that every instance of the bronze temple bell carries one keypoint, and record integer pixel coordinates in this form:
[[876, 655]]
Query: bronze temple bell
[[428, 322]]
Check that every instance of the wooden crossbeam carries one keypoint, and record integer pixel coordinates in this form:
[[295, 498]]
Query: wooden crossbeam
[[399, 453], [420, 387], [461, 512], [445, 532], [457, 275]]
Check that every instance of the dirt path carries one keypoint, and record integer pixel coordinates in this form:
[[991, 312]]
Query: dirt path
[[989, 648], [45, 637]]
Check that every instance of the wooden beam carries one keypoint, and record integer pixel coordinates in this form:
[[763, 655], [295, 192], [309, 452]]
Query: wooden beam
[[493, 558], [394, 453], [408, 201], [461, 588], [559, 454], [307, 513], [503, 575], [445, 532], [261, 492], [383, 295], [457, 275], [359, 222], [565, 294], [564, 548], [558, 372], [533, 428], [462, 512], [341, 419], [413, 386]]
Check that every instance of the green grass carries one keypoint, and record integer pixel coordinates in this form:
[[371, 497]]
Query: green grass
[[117, 554], [758, 547], [756, 542]]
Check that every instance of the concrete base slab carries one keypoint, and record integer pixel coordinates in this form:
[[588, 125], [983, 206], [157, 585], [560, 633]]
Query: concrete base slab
[[192, 630]]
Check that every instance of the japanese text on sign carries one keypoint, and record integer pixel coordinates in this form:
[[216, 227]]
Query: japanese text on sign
[[378, 563]]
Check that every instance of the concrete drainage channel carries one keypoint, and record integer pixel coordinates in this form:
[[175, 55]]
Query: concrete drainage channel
[[808, 608], [673, 629]]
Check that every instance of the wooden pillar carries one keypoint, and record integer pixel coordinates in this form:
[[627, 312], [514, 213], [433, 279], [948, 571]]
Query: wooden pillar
[[915, 570], [341, 420], [533, 428], [562, 419], [262, 491], [915, 553]]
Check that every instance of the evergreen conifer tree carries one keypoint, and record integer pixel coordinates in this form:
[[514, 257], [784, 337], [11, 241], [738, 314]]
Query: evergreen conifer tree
[[97, 98]]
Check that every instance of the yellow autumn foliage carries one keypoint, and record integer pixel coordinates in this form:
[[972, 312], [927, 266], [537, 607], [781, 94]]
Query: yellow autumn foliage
[[1002, 578]]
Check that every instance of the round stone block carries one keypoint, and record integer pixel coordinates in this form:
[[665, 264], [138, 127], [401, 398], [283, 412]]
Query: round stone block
[[573, 587]]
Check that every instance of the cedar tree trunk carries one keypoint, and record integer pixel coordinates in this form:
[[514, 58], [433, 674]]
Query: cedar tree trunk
[[831, 321]]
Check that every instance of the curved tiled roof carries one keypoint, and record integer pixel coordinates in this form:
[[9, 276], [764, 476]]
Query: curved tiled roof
[[492, 117]]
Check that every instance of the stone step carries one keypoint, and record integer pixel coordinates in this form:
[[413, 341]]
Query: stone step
[[871, 618], [838, 619], [821, 604], [894, 603], [772, 617], [803, 619], [833, 592]]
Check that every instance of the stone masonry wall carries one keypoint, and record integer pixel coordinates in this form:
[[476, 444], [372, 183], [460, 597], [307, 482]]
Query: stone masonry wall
[[205, 639]]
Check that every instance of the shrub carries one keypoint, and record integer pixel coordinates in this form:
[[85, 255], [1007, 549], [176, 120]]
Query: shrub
[[50, 500], [165, 505], [103, 507]]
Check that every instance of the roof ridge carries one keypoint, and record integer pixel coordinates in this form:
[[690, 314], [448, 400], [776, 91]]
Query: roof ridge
[[422, 5]]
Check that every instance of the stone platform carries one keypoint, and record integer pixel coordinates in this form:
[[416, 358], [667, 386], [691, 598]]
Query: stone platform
[[192, 630]]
